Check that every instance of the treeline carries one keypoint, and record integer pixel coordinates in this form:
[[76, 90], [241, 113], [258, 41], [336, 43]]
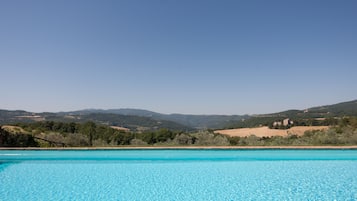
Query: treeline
[[50, 133], [54, 134]]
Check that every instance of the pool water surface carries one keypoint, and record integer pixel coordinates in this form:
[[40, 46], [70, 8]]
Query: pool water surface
[[179, 175]]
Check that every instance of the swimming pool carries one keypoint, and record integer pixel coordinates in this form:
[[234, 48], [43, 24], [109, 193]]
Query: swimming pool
[[178, 175]]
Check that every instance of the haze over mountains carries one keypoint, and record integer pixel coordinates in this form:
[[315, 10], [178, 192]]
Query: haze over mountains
[[138, 119]]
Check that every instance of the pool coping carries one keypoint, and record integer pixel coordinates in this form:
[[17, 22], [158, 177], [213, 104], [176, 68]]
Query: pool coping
[[182, 148]]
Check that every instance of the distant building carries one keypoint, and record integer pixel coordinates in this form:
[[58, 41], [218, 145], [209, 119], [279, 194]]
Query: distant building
[[285, 122], [277, 123]]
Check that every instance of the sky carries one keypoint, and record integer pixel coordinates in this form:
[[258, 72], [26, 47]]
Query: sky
[[177, 56]]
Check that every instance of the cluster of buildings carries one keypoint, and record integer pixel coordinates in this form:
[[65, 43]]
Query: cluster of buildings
[[285, 122]]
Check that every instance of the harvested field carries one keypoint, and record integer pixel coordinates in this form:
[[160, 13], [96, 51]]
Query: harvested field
[[267, 132], [121, 128]]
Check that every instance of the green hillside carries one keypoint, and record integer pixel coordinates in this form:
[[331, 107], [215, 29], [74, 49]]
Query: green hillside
[[322, 115], [93, 128], [134, 123], [192, 121], [138, 120]]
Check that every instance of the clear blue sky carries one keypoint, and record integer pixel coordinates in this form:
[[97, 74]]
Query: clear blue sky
[[177, 56]]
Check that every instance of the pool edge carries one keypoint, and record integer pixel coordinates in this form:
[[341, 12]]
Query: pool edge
[[182, 148]]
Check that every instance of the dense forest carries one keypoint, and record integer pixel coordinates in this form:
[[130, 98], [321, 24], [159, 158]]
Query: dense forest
[[72, 134]]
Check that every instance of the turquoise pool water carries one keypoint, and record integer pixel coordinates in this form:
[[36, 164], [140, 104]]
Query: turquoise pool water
[[179, 175]]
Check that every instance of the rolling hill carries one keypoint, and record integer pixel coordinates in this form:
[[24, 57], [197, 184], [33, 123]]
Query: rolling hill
[[138, 119], [134, 123], [193, 121], [321, 115]]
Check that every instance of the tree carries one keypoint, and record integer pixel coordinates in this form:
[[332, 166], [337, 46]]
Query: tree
[[16, 140], [3, 136], [89, 129]]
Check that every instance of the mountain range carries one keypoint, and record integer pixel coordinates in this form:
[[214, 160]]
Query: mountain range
[[138, 119]]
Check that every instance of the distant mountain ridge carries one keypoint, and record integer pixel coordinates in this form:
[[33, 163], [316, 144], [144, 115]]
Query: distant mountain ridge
[[137, 119], [122, 111], [193, 121], [134, 123], [348, 108]]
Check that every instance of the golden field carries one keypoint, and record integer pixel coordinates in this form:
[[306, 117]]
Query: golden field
[[267, 132]]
